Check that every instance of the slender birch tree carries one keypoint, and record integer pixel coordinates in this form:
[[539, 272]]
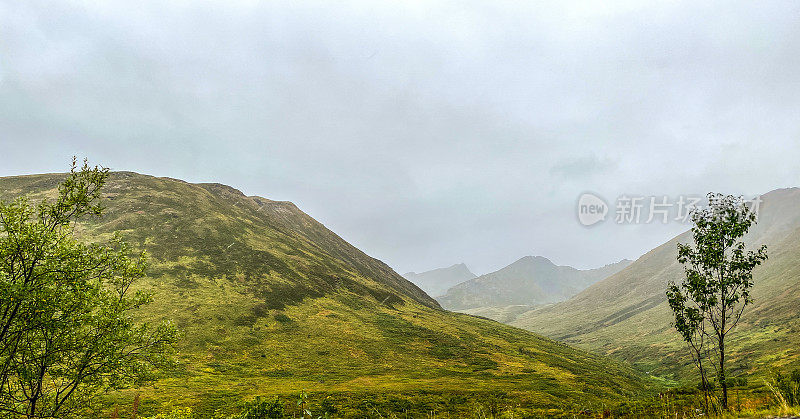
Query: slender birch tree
[[712, 296]]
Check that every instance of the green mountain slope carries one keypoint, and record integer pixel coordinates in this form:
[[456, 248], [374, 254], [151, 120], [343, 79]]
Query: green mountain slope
[[437, 281], [529, 281], [269, 301], [626, 315]]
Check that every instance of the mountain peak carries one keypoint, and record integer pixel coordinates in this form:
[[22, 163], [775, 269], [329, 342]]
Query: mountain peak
[[462, 267], [436, 282], [539, 260]]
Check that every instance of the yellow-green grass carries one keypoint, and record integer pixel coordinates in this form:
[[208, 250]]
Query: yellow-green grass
[[344, 343]]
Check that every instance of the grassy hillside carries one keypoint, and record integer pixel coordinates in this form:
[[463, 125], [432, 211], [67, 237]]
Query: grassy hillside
[[626, 315], [269, 301], [528, 282], [437, 281]]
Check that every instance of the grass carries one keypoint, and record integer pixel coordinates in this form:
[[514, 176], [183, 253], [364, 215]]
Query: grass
[[333, 345], [755, 402]]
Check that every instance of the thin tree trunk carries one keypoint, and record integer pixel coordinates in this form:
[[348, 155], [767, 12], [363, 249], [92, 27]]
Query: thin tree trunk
[[704, 384], [703, 380], [722, 379], [721, 335]]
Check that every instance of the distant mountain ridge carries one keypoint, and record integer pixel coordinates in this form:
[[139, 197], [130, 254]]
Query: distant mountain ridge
[[437, 281], [530, 281]]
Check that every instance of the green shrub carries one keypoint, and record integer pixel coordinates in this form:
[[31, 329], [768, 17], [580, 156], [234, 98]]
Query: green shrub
[[328, 407], [282, 318]]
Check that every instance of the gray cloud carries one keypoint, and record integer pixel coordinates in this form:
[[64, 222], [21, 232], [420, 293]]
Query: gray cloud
[[427, 133], [580, 168]]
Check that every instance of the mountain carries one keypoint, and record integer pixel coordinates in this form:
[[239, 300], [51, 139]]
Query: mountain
[[530, 281], [268, 301], [437, 281], [626, 315]]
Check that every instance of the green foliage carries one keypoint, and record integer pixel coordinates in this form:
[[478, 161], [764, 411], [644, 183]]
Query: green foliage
[[302, 404], [684, 402], [328, 407], [263, 409], [66, 333], [184, 413], [710, 300], [789, 386]]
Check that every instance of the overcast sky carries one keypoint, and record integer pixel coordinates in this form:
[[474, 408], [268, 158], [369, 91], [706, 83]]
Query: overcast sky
[[426, 133]]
